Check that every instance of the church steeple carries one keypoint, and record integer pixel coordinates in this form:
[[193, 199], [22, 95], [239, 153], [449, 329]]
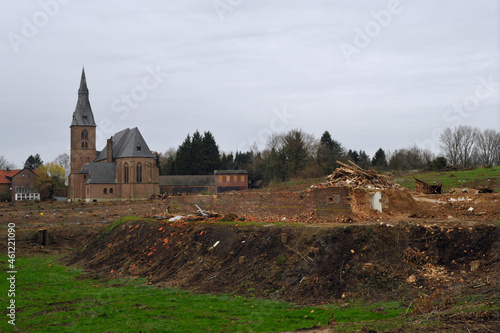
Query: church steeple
[[83, 141], [83, 84], [83, 116]]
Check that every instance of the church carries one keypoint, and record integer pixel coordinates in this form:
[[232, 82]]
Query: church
[[125, 169]]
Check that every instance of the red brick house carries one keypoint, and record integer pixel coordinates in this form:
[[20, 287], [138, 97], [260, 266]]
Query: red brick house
[[123, 170], [16, 185], [221, 181], [230, 180]]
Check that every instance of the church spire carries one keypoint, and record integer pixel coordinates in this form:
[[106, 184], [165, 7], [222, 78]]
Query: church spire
[[83, 116], [83, 84]]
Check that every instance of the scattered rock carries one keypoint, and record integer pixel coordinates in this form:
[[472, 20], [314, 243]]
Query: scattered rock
[[411, 279], [474, 265]]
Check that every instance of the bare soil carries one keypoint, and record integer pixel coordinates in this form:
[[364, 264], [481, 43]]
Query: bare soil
[[301, 264], [440, 250]]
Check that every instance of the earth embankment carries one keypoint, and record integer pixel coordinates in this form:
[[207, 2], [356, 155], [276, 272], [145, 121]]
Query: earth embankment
[[299, 263]]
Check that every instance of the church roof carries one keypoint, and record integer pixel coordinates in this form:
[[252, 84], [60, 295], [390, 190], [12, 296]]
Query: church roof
[[127, 143], [100, 173], [83, 116]]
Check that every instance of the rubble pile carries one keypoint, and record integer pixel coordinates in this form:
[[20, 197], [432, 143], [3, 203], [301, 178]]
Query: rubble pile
[[354, 176]]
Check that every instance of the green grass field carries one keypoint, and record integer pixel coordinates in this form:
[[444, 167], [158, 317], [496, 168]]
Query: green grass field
[[51, 297], [449, 179]]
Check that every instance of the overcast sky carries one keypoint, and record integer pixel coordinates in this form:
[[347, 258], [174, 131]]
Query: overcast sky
[[387, 74]]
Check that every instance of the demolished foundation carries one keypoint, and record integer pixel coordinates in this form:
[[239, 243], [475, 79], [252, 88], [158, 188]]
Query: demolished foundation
[[321, 204]]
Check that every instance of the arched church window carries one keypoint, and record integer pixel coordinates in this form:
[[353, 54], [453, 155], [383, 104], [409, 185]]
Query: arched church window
[[105, 191], [85, 135], [111, 190], [139, 172], [125, 173]]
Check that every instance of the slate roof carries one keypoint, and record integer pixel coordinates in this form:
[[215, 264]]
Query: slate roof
[[83, 116], [100, 173], [127, 143], [187, 180]]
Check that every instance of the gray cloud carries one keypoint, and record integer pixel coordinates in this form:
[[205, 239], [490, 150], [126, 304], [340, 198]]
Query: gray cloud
[[228, 75]]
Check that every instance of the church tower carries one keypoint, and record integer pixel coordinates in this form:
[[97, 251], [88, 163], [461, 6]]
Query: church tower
[[83, 141]]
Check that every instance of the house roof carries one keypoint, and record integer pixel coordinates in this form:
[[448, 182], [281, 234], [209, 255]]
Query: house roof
[[230, 172], [100, 173], [7, 173], [83, 116], [187, 180], [127, 143]]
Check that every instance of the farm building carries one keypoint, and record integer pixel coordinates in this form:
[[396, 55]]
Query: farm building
[[18, 185], [221, 181]]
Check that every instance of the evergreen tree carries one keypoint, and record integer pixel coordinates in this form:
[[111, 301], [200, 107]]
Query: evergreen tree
[[197, 155], [329, 152], [353, 156], [197, 158], [364, 160], [326, 140], [210, 154], [227, 161], [169, 168], [437, 163], [379, 160], [294, 152], [183, 158], [275, 166], [243, 161], [33, 162]]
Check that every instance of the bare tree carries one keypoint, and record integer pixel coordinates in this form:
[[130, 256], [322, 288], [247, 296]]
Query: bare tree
[[450, 145], [275, 141], [468, 137], [487, 147], [63, 160], [458, 144], [4, 164]]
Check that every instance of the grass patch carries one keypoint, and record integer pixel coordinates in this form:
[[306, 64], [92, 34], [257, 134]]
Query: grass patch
[[112, 226], [121, 221], [449, 179], [51, 297]]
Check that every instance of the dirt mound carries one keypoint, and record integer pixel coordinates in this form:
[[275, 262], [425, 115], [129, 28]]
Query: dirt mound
[[303, 264], [56, 239]]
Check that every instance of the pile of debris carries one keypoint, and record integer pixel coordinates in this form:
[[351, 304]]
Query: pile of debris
[[164, 196], [423, 187], [354, 176]]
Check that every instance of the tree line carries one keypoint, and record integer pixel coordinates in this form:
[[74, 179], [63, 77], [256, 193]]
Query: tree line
[[295, 154], [467, 146]]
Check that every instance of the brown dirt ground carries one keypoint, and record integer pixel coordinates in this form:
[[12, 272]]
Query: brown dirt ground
[[438, 247], [307, 264]]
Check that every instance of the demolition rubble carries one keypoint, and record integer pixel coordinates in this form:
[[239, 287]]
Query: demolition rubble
[[354, 176]]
